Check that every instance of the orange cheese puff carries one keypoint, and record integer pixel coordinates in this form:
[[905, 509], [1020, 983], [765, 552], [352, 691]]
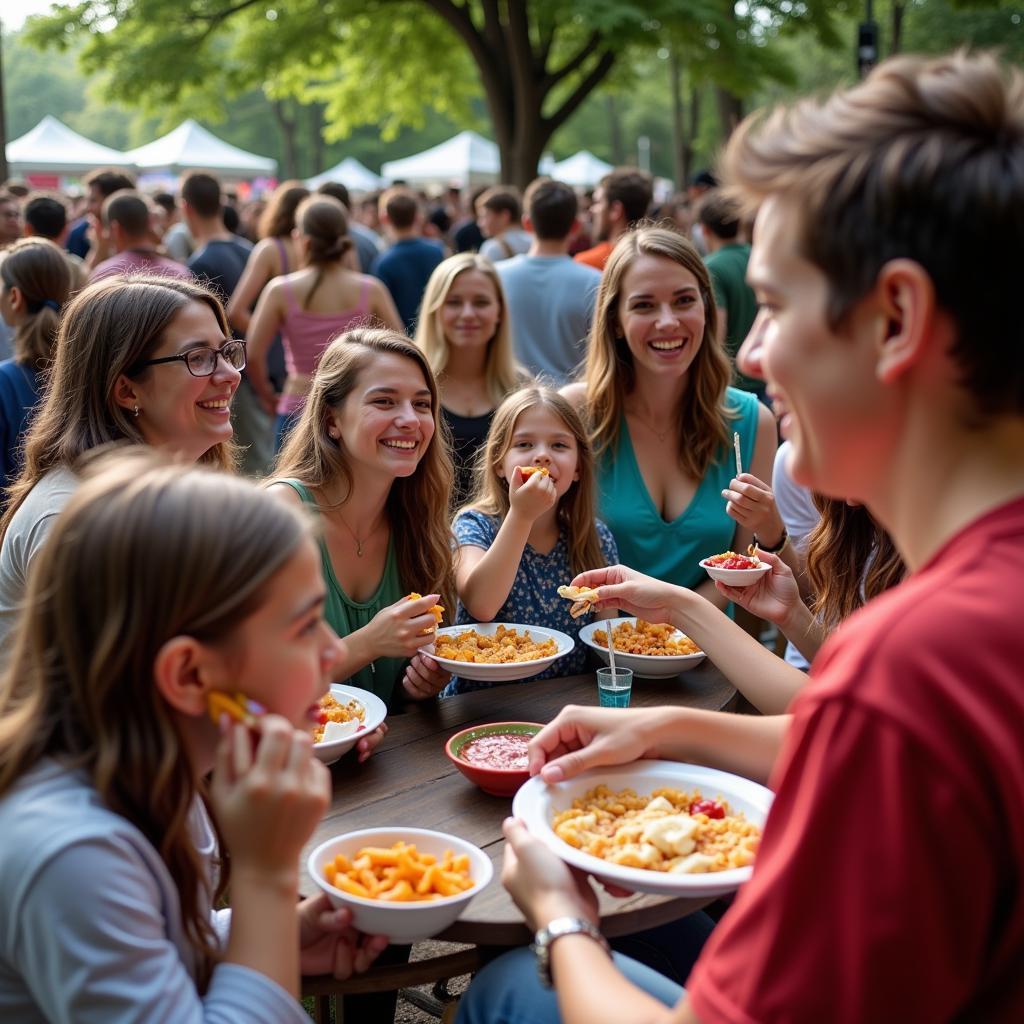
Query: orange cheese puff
[[528, 471], [437, 610]]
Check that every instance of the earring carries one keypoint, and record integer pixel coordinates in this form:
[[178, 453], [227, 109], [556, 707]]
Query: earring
[[135, 411]]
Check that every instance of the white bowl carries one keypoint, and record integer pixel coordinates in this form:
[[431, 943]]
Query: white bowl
[[512, 670], [646, 666], [376, 711], [537, 803], [400, 922], [736, 577]]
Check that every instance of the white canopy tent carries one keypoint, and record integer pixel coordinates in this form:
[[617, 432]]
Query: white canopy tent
[[190, 147], [53, 148], [582, 169], [352, 174], [466, 159]]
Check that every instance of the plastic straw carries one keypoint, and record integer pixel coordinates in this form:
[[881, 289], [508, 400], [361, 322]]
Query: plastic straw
[[736, 445], [611, 648]]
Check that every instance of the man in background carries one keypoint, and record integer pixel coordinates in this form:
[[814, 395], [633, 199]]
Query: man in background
[[621, 198], [46, 217], [406, 267], [86, 238], [498, 215], [10, 219], [128, 231], [550, 297]]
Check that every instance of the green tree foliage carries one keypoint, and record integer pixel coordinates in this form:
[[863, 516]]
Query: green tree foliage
[[388, 63]]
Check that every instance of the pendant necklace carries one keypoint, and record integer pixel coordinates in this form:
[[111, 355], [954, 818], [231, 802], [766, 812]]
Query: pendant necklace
[[359, 543], [657, 433]]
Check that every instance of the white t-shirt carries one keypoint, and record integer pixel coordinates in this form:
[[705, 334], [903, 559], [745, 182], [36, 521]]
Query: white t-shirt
[[510, 243]]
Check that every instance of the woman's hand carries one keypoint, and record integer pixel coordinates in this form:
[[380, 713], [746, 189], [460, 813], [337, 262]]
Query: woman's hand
[[542, 886], [530, 497], [368, 744], [751, 503], [269, 799], [402, 628], [424, 677], [330, 945], [583, 737], [773, 597], [633, 592]]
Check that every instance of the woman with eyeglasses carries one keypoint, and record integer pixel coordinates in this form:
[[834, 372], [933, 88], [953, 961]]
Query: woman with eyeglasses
[[137, 359]]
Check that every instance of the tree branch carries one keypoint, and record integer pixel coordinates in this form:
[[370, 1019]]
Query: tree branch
[[574, 63], [581, 92]]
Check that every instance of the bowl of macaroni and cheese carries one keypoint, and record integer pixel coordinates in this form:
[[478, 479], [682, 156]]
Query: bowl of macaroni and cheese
[[498, 652], [406, 883], [350, 713], [652, 650], [658, 827]]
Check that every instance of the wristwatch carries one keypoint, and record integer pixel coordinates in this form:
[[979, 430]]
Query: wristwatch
[[776, 548], [555, 929]]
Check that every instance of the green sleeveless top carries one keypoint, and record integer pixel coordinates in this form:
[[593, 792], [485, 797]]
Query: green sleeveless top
[[345, 616]]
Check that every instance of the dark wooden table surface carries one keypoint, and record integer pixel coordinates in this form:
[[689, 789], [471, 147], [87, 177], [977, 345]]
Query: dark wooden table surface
[[410, 782]]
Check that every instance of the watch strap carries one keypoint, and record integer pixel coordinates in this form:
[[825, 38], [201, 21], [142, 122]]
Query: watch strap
[[545, 938], [777, 548]]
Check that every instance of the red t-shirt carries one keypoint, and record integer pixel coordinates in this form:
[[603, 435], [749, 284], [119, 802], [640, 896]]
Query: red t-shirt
[[596, 257], [890, 881]]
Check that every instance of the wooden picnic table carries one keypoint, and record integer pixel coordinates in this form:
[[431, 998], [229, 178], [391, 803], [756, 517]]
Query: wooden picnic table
[[409, 781]]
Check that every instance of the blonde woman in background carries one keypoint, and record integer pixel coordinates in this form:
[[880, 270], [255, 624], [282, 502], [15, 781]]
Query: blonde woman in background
[[464, 332]]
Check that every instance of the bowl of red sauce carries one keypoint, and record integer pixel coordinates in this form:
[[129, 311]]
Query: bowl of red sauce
[[494, 755]]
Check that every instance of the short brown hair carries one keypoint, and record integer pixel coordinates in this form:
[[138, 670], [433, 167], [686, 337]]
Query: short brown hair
[[400, 206], [502, 198], [202, 192], [128, 209], [631, 187], [924, 160], [720, 214], [107, 181], [551, 206]]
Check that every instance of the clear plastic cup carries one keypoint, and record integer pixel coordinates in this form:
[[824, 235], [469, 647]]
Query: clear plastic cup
[[614, 687]]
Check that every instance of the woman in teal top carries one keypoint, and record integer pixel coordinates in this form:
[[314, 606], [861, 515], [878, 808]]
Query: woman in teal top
[[367, 455], [656, 392]]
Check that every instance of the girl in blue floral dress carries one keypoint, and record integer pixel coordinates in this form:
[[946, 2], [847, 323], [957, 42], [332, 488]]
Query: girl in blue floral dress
[[525, 534]]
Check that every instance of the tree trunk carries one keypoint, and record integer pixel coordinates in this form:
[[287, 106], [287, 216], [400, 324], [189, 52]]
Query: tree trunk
[[896, 42], [287, 126], [615, 132], [679, 144], [730, 112], [316, 137], [3, 119], [695, 99]]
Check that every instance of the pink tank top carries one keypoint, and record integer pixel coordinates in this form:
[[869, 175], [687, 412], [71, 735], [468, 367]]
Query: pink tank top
[[305, 335]]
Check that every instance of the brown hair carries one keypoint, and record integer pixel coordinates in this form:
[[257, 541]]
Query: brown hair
[[107, 181], [400, 206], [501, 375], [720, 214], [106, 329], [417, 506], [631, 187], [924, 160], [128, 209], [502, 199], [552, 207], [704, 418], [41, 272], [202, 192], [278, 217], [576, 508], [322, 221], [162, 551], [850, 560]]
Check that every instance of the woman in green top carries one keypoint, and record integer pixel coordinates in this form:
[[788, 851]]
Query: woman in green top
[[368, 456]]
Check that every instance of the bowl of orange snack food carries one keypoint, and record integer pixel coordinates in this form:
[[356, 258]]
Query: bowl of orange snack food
[[660, 827], [653, 650], [406, 883], [350, 713], [498, 652]]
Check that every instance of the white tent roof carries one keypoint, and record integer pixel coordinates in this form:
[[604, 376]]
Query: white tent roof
[[53, 148], [466, 158], [190, 147], [582, 168], [352, 174]]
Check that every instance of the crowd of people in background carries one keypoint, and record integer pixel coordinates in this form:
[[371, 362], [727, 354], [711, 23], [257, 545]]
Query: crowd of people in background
[[479, 397]]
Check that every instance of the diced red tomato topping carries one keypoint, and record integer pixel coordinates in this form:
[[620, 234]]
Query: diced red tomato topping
[[712, 808]]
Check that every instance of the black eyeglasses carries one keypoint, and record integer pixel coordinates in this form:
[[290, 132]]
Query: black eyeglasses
[[201, 362]]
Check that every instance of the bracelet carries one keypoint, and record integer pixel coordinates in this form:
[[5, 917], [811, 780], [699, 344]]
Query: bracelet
[[777, 548]]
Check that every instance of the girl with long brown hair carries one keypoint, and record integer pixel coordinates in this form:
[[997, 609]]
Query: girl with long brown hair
[[196, 583], [662, 416], [147, 360], [367, 455], [35, 281], [526, 533], [311, 306]]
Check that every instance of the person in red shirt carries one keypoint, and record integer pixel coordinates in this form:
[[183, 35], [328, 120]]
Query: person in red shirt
[[889, 885], [621, 198]]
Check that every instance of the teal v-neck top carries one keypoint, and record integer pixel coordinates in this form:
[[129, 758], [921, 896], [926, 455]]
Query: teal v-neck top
[[345, 616], [670, 551]]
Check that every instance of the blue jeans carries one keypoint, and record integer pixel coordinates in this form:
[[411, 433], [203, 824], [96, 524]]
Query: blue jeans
[[508, 991]]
